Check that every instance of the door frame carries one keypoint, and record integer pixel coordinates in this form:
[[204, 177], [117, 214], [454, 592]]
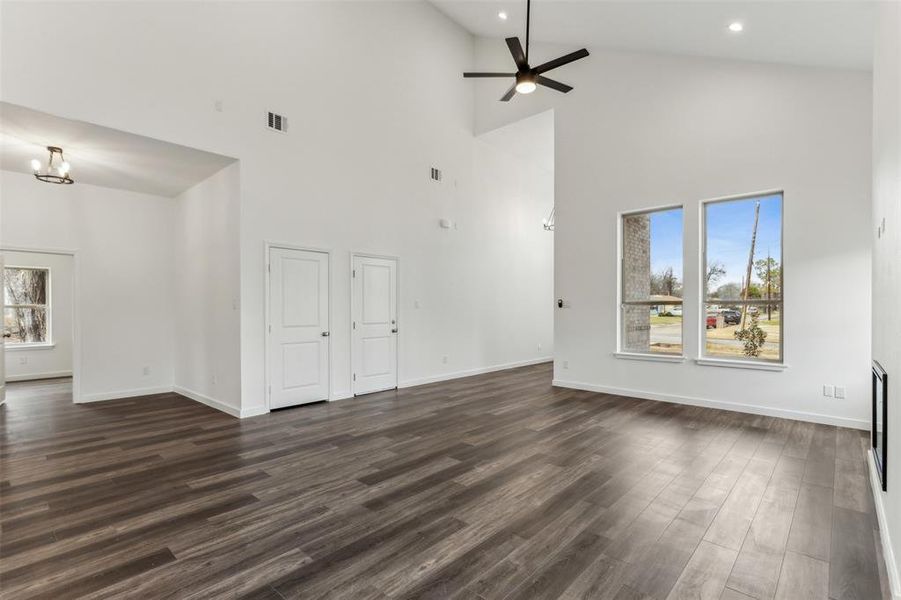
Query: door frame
[[396, 259], [267, 376], [76, 314]]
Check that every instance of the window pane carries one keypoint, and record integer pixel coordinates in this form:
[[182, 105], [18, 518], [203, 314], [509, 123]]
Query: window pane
[[652, 329], [652, 256], [754, 333], [25, 286], [744, 236], [24, 325]]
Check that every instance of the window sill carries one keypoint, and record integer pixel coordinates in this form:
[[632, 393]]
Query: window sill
[[669, 358], [740, 364], [23, 347]]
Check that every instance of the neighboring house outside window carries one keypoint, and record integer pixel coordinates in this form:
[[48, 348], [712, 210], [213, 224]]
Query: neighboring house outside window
[[26, 311]]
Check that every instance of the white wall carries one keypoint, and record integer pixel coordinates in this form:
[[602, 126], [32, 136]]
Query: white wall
[[207, 291], [54, 360], [350, 175], [123, 265], [641, 131], [887, 261]]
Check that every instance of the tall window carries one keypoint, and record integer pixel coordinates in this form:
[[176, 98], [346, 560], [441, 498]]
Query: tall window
[[743, 278], [25, 312], [651, 285]]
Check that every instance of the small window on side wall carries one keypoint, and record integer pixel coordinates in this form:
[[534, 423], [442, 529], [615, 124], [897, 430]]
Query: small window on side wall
[[26, 318], [651, 282], [743, 279]]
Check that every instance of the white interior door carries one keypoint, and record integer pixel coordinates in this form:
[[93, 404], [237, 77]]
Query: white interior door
[[298, 327], [374, 324]]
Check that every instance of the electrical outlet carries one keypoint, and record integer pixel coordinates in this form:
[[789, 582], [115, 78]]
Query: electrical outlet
[[444, 359], [539, 347], [829, 391], [146, 370], [565, 364], [23, 360], [840, 392]]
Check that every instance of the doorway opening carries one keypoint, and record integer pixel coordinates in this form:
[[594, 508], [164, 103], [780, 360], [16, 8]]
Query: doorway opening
[[515, 172], [38, 318]]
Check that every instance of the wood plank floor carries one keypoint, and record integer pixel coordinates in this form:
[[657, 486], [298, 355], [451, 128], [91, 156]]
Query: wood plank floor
[[496, 486]]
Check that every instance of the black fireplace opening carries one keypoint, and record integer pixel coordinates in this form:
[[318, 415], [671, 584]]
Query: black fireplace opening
[[880, 421]]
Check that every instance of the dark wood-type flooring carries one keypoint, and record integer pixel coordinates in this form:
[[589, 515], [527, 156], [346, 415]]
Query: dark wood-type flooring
[[496, 486]]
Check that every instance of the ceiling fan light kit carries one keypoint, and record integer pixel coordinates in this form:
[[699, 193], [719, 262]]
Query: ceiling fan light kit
[[528, 78]]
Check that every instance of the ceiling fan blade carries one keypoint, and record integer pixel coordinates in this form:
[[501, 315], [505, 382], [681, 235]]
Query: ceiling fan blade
[[559, 62], [510, 93], [488, 74], [519, 57], [556, 85]]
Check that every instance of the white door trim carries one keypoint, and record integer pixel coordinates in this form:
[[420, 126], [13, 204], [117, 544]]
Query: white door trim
[[76, 315], [266, 317], [350, 330]]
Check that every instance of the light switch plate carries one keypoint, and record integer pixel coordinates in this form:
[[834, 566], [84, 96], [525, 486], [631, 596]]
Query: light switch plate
[[839, 392], [828, 390]]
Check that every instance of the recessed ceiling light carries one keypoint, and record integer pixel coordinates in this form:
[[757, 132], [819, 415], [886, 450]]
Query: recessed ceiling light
[[502, 16], [736, 27]]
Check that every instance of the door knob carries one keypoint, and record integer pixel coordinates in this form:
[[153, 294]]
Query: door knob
[[325, 334], [394, 330]]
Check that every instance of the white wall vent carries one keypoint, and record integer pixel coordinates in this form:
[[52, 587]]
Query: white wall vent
[[277, 122], [436, 174]]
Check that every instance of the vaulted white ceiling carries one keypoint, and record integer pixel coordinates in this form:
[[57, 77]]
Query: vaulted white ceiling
[[835, 33], [100, 155]]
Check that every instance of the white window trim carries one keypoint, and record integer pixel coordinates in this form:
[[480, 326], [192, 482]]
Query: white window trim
[[741, 364], [22, 347], [647, 356], [749, 363], [651, 357]]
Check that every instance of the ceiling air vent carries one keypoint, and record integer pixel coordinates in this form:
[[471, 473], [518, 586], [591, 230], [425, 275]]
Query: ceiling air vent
[[436, 174], [277, 122]]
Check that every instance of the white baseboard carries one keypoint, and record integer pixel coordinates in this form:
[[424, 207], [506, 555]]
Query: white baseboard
[[2, 394], [887, 551], [211, 402], [471, 372], [118, 395], [253, 412], [732, 406], [341, 396], [36, 376]]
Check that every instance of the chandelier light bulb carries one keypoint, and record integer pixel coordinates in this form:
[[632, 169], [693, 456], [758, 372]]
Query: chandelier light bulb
[[63, 168], [35, 165]]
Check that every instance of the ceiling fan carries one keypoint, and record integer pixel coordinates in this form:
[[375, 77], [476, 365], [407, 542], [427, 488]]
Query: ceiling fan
[[528, 78]]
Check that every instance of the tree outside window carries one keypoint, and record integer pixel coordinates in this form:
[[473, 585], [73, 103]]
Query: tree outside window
[[25, 305]]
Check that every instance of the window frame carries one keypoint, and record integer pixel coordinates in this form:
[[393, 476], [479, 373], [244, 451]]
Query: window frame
[[621, 301], [48, 338], [745, 362]]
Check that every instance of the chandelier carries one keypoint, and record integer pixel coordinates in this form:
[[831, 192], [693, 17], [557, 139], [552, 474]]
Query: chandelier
[[54, 173]]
